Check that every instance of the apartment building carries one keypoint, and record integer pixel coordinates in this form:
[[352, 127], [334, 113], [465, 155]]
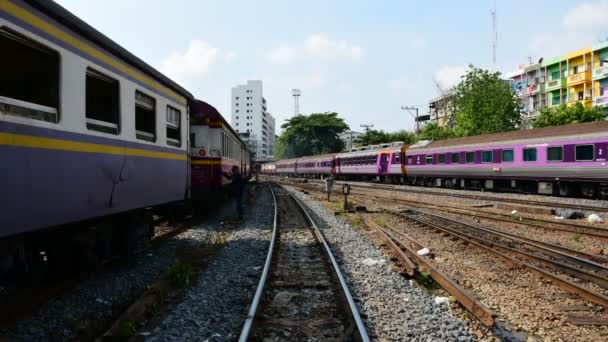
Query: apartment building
[[440, 110], [250, 115], [580, 76]]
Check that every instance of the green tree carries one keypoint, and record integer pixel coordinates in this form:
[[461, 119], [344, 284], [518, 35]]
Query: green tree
[[484, 103], [433, 132], [564, 115], [312, 134], [374, 137]]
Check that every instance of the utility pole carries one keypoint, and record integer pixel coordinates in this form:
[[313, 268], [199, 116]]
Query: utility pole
[[409, 109]]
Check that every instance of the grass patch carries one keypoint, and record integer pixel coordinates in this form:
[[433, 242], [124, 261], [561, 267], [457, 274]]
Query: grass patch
[[180, 274], [425, 280], [576, 237], [380, 221], [126, 328], [355, 220]]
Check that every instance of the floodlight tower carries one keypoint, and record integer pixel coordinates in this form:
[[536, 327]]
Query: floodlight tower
[[296, 100]]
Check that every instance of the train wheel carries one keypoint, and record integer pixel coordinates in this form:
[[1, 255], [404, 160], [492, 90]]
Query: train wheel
[[588, 190]]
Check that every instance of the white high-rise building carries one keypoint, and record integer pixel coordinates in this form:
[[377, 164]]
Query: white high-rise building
[[250, 115]]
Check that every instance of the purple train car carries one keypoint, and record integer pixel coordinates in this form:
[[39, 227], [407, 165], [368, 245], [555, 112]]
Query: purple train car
[[562, 160], [87, 131]]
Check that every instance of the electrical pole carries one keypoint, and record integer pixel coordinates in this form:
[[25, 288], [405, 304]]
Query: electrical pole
[[409, 109]]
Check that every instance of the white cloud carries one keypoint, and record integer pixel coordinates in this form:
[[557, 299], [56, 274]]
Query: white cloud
[[195, 61], [582, 25], [318, 46], [450, 75]]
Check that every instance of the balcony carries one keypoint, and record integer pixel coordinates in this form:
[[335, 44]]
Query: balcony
[[601, 101], [557, 84], [579, 78], [600, 72], [587, 103], [535, 88]]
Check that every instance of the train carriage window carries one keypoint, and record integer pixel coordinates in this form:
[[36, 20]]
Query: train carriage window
[[145, 117], [529, 154], [441, 158], [397, 158], [507, 156], [470, 157], [429, 159], [409, 160], [486, 156], [102, 103], [583, 152], [555, 153], [455, 158], [30, 78]]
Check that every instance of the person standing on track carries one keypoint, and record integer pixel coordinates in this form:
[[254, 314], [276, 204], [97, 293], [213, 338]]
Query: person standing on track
[[329, 183], [236, 187]]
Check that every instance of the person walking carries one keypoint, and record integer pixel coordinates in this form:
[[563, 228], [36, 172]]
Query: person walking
[[329, 183], [236, 186]]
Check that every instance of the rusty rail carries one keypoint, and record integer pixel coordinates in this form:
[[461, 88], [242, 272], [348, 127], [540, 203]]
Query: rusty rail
[[479, 310], [587, 294]]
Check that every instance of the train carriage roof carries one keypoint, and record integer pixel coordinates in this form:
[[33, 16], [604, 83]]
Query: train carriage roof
[[537, 133], [71, 21], [201, 110]]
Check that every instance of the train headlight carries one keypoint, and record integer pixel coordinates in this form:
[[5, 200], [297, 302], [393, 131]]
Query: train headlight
[[202, 152]]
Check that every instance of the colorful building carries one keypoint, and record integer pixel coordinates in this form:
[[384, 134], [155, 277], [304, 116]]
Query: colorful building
[[577, 77], [600, 75], [555, 88], [579, 84]]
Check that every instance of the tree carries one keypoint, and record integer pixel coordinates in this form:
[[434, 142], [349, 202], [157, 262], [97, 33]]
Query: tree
[[374, 137], [484, 103], [564, 115], [432, 131], [312, 134]]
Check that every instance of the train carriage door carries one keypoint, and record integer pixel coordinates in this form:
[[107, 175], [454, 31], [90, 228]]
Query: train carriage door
[[384, 162]]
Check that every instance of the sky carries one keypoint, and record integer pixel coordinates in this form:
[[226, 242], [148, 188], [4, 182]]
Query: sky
[[363, 59]]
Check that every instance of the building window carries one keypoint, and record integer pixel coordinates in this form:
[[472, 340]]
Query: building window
[[529, 154], [173, 127], [470, 157], [583, 152], [429, 159], [102, 103], [30, 78], [486, 156], [237, 110], [555, 75], [455, 158], [145, 117], [441, 158], [507, 156], [237, 117], [237, 104], [237, 97], [555, 153]]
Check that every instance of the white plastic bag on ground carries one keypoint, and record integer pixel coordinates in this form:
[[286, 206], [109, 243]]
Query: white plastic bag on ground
[[593, 218], [423, 251], [442, 300], [514, 212]]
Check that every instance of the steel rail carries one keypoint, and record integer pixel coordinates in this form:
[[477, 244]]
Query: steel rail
[[349, 298], [262, 283], [585, 293], [555, 265], [478, 309]]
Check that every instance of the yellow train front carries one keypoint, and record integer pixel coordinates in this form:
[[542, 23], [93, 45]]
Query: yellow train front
[[215, 148]]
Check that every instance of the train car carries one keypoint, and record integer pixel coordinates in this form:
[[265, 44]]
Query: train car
[[214, 149], [268, 168], [85, 129], [561, 160], [287, 167], [316, 166]]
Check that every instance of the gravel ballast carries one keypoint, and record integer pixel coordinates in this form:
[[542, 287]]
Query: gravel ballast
[[215, 308], [391, 307]]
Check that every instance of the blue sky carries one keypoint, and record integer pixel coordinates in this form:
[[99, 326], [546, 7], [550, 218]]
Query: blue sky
[[362, 59]]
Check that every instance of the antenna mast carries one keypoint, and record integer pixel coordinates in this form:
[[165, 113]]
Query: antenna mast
[[494, 35]]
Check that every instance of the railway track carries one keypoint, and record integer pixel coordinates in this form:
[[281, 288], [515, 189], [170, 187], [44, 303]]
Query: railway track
[[546, 262], [479, 213], [302, 294], [411, 190]]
